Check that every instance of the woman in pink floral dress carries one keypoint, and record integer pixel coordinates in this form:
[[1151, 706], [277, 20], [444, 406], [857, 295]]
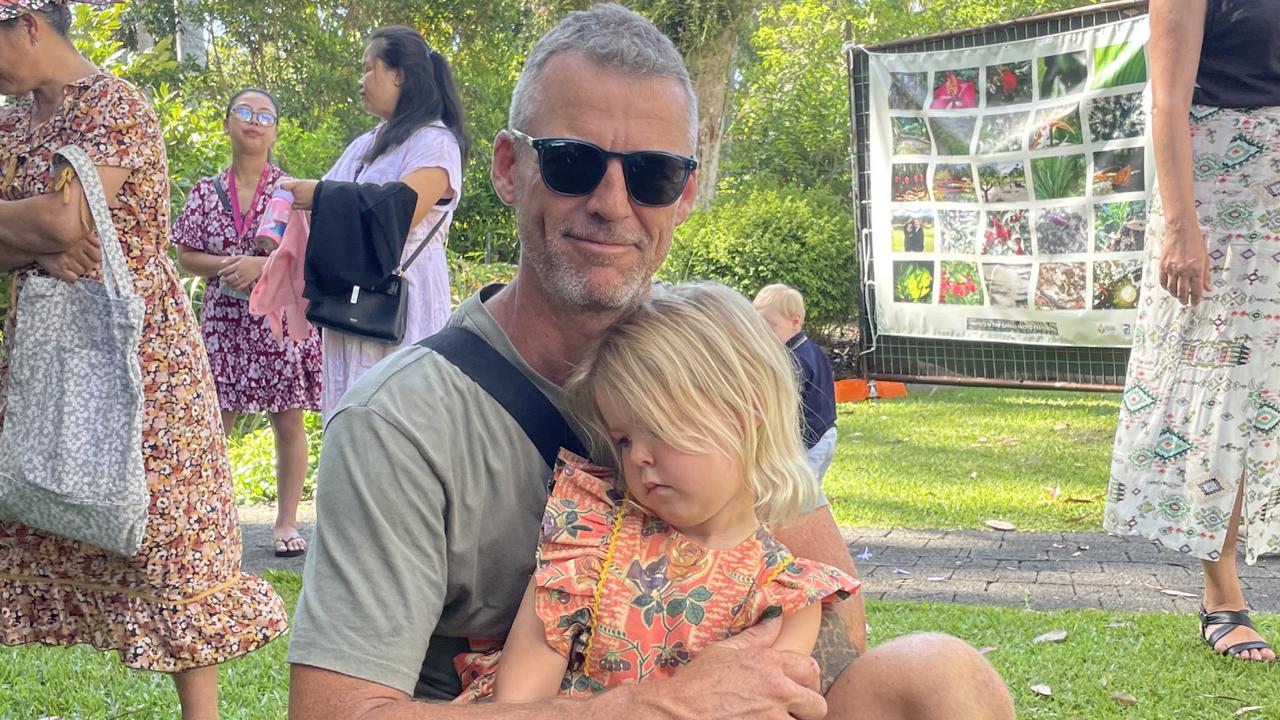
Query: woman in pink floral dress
[[254, 371]]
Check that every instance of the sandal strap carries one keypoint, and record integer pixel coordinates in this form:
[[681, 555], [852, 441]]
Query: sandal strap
[[1227, 617], [1246, 646]]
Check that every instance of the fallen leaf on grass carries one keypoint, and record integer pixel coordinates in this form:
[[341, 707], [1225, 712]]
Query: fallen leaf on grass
[[1054, 492], [1079, 518], [1009, 441], [1061, 426], [1042, 690], [865, 554], [1084, 500], [1119, 624], [900, 571], [973, 475], [1001, 525], [1124, 699], [938, 578], [1247, 709], [987, 650], [1052, 636], [1179, 593]]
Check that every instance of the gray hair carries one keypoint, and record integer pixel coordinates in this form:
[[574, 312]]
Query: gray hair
[[612, 37]]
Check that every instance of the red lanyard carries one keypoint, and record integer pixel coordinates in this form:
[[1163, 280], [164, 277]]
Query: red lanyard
[[242, 220]]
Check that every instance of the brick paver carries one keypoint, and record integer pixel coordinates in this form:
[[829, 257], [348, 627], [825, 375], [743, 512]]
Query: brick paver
[[1040, 570]]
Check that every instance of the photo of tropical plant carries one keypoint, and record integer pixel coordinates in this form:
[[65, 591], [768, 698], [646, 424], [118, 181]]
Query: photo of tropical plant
[[1117, 116], [952, 134], [1009, 83], [955, 89], [908, 90], [1118, 171], [909, 183], [912, 281], [1116, 284], [1060, 286], [1003, 182], [1058, 177], [1062, 231], [1055, 126], [959, 231], [1060, 75], [1007, 284], [1120, 226], [1116, 65], [911, 136], [953, 183], [1002, 133], [958, 284], [913, 231], [1007, 233]]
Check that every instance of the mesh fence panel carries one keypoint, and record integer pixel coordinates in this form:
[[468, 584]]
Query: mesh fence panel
[[956, 361]]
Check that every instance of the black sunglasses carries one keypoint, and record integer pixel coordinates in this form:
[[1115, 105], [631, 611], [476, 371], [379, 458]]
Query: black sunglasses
[[575, 168], [247, 115]]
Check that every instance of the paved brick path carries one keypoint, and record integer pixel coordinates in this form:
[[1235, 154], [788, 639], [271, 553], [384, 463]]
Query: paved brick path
[[1019, 569], [1040, 570]]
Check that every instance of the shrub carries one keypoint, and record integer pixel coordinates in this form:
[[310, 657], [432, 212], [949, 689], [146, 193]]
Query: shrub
[[753, 237], [252, 451]]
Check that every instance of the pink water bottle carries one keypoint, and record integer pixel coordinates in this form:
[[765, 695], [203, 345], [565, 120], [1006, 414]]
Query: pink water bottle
[[275, 220]]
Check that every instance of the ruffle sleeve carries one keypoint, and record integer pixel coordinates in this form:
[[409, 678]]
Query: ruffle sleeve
[[577, 527], [788, 584]]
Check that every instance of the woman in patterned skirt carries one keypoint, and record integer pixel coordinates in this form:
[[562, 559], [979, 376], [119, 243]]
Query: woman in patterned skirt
[[1196, 449], [254, 372], [182, 604]]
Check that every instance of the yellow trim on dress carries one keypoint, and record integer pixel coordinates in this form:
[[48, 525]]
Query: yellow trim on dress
[[123, 591], [621, 509]]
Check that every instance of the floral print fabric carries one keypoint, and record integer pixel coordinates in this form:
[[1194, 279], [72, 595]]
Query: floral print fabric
[[253, 371], [182, 602], [1201, 404], [662, 598]]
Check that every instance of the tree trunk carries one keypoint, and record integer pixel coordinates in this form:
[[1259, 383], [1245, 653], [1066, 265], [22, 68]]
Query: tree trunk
[[710, 66]]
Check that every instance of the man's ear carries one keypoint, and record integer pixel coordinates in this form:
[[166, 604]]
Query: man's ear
[[684, 205], [502, 171]]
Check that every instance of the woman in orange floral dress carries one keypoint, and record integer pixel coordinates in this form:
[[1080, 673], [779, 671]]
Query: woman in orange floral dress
[[181, 605], [697, 405]]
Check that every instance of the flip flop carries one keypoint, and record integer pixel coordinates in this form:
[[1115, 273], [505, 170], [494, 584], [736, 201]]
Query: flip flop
[[1229, 620], [287, 547]]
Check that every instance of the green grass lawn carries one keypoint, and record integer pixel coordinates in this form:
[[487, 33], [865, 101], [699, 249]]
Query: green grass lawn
[[1153, 657], [954, 458]]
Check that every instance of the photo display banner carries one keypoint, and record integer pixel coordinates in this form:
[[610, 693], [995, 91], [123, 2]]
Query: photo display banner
[[1010, 188]]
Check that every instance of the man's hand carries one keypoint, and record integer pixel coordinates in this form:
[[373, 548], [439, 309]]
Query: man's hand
[[242, 271], [75, 262], [739, 678]]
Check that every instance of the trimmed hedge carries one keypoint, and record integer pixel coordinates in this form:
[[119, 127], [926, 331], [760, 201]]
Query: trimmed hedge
[[754, 237]]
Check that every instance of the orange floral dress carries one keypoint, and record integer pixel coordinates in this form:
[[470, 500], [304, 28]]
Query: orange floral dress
[[627, 598], [182, 601]]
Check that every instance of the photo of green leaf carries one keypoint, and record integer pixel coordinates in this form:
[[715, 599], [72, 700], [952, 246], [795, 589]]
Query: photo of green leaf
[[1116, 65], [912, 281], [1120, 226], [1059, 75], [1002, 133], [952, 134], [1058, 177], [911, 136]]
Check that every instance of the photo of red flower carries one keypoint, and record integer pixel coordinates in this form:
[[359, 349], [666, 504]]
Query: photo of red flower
[[955, 89]]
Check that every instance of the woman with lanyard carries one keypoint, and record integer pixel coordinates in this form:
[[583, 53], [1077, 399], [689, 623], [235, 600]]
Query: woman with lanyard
[[181, 605], [253, 371], [422, 142]]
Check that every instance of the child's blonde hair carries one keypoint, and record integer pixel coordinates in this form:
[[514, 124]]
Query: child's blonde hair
[[782, 299], [699, 369]]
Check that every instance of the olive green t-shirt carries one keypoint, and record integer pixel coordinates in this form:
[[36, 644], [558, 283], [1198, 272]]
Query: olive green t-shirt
[[429, 497]]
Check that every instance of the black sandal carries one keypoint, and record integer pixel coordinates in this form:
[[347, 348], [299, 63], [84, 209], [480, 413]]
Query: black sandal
[[1229, 620]]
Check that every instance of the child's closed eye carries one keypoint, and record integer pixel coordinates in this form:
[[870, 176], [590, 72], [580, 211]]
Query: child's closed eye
[[622, 442]]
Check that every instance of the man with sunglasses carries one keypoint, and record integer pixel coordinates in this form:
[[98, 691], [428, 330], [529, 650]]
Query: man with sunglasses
[[430, 494]]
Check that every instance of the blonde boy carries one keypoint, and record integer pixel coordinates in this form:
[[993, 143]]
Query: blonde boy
[[782, 307]]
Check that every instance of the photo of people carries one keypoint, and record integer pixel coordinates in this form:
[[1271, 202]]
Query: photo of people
[[1008, 284], [1009, 83], [1118, 171], [913, 231], [955, 89]]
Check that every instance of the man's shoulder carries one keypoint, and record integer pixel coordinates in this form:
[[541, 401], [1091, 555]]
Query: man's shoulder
[[414, 376]]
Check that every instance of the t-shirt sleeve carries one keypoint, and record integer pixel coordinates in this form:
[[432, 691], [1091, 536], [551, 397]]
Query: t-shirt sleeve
[[191, 227], [435, 147], [116, 127], [373, 585]]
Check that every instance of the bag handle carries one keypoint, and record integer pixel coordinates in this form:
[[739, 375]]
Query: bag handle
[[423, 246], [115, 273]]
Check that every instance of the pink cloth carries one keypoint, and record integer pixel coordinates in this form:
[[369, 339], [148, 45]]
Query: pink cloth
[[278, 294]]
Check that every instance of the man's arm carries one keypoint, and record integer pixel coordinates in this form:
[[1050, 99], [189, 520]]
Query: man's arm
[[738, 678]]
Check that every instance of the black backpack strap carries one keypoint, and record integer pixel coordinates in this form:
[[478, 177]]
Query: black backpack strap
[[221, 189], [536, 415]]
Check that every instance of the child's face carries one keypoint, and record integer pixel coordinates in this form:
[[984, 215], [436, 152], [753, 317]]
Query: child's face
[[784, 328], [703, 495]]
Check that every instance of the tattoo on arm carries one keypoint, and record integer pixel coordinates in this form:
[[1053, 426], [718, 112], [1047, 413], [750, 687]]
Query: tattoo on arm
[[834, 651]]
